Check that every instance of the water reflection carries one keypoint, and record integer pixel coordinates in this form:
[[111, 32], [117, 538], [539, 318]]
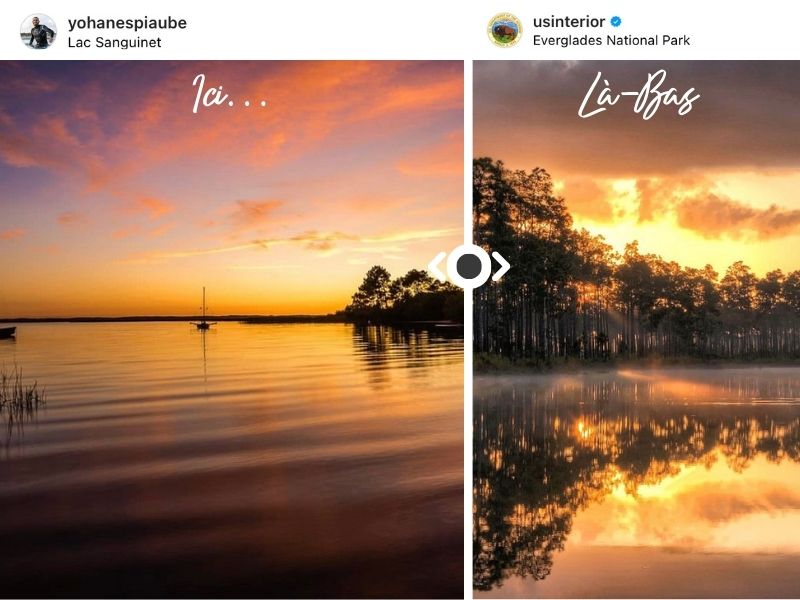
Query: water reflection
[[383, 344], [686, 460], [202, 333], [379, 346], [273, 468]]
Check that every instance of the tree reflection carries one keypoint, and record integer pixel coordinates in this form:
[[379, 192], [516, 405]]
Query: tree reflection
[[381, 345], [382, 350], [543, 452]]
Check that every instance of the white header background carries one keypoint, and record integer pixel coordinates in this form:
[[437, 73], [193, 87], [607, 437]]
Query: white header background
[[413, 29]]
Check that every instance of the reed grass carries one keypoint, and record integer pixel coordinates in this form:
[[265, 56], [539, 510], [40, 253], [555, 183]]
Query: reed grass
[[18, 398]]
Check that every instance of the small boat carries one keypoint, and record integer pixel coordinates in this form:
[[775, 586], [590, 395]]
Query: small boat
[[7, 332], [203, 325]]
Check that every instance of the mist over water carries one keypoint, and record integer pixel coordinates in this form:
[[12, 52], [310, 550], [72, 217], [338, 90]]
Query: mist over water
[[252, 460]]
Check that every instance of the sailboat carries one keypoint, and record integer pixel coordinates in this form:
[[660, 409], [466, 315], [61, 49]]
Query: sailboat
[[203, 325]]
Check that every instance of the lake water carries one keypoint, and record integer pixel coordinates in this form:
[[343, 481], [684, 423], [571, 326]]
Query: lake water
[[673, 483], [253, 460]]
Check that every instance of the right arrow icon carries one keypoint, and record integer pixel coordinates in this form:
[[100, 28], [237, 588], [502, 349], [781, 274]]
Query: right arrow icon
[[504, 266]]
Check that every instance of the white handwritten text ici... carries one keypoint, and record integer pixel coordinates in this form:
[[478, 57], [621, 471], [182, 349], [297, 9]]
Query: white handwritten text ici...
[[648, 100], [214, 96], [211, 96]]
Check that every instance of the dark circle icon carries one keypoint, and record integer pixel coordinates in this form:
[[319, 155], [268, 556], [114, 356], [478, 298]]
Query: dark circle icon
[[464, 273], [468, 266]]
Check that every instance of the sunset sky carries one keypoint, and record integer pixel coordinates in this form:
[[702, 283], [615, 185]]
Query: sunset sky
[[720, 184], [117, 200]]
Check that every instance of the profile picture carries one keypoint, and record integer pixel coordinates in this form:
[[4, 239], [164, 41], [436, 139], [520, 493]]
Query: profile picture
[[504, 29], [38, 31]]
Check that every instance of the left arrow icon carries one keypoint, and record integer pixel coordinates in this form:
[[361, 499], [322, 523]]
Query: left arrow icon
[[433, 266]]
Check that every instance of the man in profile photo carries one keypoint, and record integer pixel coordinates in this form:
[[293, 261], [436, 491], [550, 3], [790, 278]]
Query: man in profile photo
[[40, 34]]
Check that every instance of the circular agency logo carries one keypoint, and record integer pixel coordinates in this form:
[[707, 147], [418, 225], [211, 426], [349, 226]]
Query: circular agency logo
[[504, 30]]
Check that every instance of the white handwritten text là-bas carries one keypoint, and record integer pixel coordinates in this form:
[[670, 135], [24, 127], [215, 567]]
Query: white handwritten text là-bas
[[648, 100]]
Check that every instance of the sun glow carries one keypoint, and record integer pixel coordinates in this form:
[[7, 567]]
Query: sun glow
[[584, 431]]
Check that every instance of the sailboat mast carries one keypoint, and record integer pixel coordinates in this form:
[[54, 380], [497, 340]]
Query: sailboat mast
[[204, 303]]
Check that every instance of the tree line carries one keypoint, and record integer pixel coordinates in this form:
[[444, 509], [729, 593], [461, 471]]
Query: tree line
[[415, 296], [570, 294]]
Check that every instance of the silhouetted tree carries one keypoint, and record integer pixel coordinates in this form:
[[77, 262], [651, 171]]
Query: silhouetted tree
[[374, 293], [415, 296]]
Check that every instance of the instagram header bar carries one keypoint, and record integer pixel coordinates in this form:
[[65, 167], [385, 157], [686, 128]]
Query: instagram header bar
[[415, 29]]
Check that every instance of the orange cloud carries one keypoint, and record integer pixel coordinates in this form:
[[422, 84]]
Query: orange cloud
[[587, 198], [136, 229], [307, 102], [374, 204], [70, 219], [22, 144], [162, 230], [153, 208], [322, 242], [714, 216], [440, 94], [333, 96], [125, 232], [18, 146], [13, 152], [411, 236], [51, 249], [23, 84], [13, 234], [699, 207], [251, 213], [655, 196], [311, 240], [57, 130]]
